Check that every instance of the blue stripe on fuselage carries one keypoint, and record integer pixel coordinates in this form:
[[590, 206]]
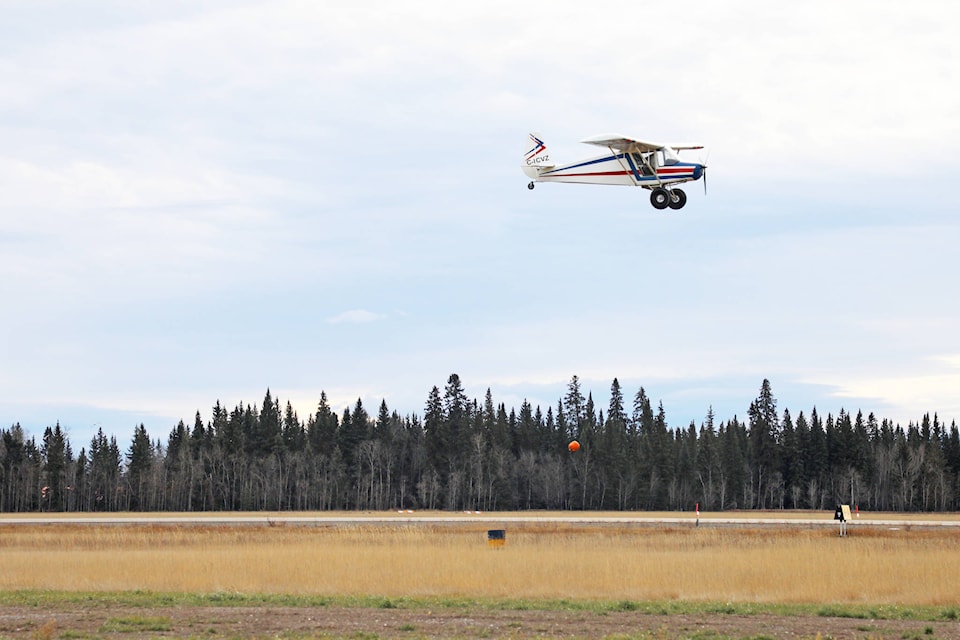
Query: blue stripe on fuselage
[[633, 167], [586, 163]]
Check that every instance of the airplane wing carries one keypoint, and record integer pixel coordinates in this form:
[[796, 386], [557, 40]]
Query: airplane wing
[[626, 144]]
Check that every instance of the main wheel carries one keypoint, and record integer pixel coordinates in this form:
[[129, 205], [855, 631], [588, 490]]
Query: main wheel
[[678, 199], [660, 198], [530, 186]]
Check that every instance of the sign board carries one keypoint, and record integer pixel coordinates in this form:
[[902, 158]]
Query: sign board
[[843, 515], [496, 537]]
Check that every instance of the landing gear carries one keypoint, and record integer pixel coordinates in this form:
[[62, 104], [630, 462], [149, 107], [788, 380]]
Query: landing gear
[[530, 186], [678, 199], [660, 198]]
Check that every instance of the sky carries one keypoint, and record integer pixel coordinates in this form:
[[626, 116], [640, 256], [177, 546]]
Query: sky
[[201, 200]]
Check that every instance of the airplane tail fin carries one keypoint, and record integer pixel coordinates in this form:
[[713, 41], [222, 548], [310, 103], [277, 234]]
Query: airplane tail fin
[[535, 155]]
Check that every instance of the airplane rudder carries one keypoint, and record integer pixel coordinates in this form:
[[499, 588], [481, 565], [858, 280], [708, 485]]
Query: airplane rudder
[[535, 152]]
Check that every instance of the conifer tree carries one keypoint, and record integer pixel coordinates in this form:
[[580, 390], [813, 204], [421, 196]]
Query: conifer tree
[[489, 414], [708, 462], [292, 432], [615, 451], [105, 471], [436, 433], [322, 430], [139, 461], [501, 430], [54, 452], [267, 429], [764, 440], [14, 459], [527, 430], [574, 410], [82, 480], [791, 460], [457, 414], [733, 470], [178, 464], [351, 433], [382, 427]]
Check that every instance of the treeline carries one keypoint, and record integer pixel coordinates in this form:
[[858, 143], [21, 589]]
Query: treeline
[[469, 455]]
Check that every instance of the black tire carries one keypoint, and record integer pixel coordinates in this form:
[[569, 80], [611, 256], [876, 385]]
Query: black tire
[[660, 198], [530, 186], [678, 200]]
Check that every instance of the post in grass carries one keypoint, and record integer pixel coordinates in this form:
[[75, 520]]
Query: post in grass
[[843, 515]]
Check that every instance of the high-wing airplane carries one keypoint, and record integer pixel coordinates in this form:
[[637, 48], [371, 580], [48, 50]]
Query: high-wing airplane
[[630, 162]]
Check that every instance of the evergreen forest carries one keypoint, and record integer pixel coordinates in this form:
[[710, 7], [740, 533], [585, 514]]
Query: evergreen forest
[[465, 454]]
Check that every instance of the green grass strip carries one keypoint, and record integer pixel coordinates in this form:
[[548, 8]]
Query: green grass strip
[[142, 599]]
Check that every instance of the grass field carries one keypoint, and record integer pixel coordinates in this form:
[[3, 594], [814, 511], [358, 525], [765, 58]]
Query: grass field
[[540, 561]]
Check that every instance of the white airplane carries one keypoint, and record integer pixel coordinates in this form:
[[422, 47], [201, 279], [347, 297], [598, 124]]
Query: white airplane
[[630, 162]]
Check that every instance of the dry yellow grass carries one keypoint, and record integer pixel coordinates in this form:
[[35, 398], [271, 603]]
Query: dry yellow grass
[[792, 565]]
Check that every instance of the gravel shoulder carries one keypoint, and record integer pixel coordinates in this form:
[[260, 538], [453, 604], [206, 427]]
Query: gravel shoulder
[[100, 621]]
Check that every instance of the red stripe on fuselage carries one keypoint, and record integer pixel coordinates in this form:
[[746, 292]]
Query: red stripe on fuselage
[[592, 173], [669, 173]]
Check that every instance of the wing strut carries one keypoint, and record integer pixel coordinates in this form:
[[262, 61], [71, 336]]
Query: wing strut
[[632, 169], [653, 169]]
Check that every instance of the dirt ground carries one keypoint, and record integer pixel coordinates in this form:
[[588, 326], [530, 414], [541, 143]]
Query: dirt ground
[[98, 621]]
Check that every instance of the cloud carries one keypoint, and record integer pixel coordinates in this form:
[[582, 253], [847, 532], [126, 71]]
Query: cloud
[[187, 185], [926, 385]]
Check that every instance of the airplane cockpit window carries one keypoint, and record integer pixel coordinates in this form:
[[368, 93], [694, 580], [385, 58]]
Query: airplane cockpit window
[[668, 156], [644, 162]]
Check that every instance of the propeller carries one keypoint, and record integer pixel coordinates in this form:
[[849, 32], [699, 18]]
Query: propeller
[[703, 166]]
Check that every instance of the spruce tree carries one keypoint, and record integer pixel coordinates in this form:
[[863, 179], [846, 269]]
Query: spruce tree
[[292, 432], [436, 434], [54, 450], [322, 430], [708, 462], [268, 433], [457, 416], [382, 427], [764, 440], [574, 409], [139, 461]]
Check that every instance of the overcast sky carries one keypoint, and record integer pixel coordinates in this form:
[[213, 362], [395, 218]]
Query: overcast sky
[[203, 199]]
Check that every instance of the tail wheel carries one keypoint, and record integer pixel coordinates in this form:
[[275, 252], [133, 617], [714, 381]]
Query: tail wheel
[[660, 198], [530, 186], [678, 199]]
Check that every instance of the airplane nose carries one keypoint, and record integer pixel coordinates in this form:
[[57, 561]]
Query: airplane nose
[[698, 171]]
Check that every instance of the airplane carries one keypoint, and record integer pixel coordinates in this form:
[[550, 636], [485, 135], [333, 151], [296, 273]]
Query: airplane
[[630, 162]]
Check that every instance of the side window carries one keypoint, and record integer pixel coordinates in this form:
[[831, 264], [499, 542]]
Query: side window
[[644, 161], [652, 163]]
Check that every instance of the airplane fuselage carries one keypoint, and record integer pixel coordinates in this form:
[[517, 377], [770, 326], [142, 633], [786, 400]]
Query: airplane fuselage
[[619, 169], [629, 162]]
